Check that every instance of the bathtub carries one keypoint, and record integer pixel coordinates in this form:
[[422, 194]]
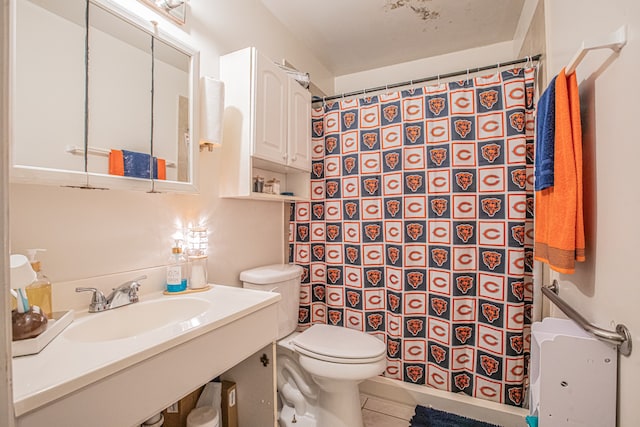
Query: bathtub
[[457, 403]]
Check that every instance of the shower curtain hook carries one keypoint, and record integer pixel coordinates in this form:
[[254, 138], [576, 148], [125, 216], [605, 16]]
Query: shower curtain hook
[[528, 63], [438, 80], [467, 76]]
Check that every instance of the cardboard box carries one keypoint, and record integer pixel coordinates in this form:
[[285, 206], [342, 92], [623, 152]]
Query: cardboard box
[[229, 404], [176, 415]]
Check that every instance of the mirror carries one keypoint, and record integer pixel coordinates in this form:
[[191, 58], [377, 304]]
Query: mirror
[[118, 92], [171, 138], [48, 96], [117, 113]]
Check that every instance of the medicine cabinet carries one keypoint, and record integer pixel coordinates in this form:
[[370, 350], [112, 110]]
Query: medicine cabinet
[[100, 98], [267, 128]]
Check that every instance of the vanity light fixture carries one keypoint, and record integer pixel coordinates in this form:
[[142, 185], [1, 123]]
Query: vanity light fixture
[[174, 9], [211, 112], [168, 5]]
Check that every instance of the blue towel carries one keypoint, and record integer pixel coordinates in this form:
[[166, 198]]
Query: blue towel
[[545, 137], [138, 165]]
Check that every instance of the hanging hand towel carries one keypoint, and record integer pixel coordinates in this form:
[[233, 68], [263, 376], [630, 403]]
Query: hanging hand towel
[[559, 224], [133, 164], [545, 136], [160, 172], [116, 163], [137, 165]]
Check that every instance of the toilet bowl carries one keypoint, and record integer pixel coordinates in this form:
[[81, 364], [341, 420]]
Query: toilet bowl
[[319, 369], [338, 359], [297, 391]]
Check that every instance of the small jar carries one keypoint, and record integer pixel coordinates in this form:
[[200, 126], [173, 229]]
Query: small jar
[[198, 271], [258, 184], [275, 185], [268, 187]]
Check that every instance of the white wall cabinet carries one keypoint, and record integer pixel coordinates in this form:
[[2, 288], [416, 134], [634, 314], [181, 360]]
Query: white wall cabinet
[[267, 128]]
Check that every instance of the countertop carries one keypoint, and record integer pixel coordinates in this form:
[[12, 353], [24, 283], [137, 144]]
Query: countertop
[[65, 365]]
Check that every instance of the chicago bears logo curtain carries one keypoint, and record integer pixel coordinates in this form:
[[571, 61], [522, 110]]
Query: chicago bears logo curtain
[[419, 230]]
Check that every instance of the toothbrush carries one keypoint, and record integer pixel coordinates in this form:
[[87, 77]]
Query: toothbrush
[[22, 301]]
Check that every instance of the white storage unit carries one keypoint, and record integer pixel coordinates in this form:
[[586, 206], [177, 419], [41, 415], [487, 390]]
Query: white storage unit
[[573, 376], [267, 128]]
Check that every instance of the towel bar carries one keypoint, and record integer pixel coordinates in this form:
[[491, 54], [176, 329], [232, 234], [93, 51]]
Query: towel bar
[[614, 41], [621, 337], [73, 149]]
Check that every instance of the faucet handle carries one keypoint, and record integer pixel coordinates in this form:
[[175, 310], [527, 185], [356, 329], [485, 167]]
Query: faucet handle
[[136, 280], [98, 300], [131, 287]]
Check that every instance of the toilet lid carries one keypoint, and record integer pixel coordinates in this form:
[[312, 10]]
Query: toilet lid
[[336, 343]]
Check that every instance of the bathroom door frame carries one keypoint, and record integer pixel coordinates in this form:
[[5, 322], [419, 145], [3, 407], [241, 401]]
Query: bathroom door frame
[[6, 393]]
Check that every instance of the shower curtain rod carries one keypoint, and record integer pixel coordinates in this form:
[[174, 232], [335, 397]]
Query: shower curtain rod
[[427, 79]]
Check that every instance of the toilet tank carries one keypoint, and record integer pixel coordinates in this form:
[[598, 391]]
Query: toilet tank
[[281, 278]]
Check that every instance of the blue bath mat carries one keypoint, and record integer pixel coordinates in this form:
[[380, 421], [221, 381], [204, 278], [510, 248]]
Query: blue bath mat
[[429, 417]]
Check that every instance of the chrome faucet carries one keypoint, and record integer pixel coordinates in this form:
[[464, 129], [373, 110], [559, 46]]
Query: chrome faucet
[[125, 294]]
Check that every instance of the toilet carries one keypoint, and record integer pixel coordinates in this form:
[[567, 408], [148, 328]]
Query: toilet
[[319, 369]]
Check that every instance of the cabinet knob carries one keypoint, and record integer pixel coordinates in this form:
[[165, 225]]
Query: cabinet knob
[[284, 156], [294, 158]]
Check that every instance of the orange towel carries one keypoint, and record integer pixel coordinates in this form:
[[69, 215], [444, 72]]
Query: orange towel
[[116, 162], [559, 223], [162, 169]]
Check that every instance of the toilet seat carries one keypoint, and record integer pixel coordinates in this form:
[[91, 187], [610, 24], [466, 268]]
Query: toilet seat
[[339, 345]]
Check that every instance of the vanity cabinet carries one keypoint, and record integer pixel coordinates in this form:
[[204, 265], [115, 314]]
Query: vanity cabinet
[[104, 382], [267, 128], [256, 385]]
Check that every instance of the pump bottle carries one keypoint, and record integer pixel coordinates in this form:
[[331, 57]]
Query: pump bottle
[[39, 291], [177, 270]]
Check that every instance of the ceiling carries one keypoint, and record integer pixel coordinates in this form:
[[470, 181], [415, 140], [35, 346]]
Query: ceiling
[[350, 36]]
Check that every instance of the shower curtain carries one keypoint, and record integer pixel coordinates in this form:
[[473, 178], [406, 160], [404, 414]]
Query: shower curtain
[[419, 230]]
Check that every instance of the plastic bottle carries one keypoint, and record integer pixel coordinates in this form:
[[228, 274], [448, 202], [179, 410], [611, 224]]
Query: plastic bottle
[[39, 292], [177, 270]]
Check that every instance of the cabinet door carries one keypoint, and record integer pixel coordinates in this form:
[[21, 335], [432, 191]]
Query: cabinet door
[[299, 126], [270, 112]]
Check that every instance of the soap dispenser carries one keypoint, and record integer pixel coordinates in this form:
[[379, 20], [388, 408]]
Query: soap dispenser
[[39, 291], [177, 270]]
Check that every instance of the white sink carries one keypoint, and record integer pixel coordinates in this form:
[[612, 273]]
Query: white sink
[[161, 348], [135, 319]]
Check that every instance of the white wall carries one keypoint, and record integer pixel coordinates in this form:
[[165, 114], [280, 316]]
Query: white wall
[[605, 289], [105, 237], [427, 67]]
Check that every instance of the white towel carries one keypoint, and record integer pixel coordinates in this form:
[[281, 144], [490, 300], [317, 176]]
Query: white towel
[[211, 111]]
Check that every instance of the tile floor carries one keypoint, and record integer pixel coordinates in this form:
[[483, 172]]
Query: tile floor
[[383, 413]]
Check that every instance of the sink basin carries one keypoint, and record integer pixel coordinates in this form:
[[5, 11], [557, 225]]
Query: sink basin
[[179, 313]]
